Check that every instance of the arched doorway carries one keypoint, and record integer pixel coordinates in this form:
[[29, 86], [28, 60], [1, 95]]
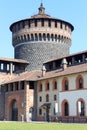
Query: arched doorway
[[31, 113], [65, 108], [14, 111]]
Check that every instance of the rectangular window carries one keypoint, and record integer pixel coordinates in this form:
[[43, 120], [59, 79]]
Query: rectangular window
[[49, 23], [55, 24], [16, 86], [35, 23], [55, 97], [29, 23], [6, 87], [22, 85], [40, 111], [40, 99], [11, 87], [42, 22], [61, 25]]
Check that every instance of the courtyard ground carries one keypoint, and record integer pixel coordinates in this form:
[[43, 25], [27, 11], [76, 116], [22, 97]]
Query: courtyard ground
[[40, 126]]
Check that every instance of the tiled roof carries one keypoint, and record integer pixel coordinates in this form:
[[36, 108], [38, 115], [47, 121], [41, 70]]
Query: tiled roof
[[14, 60], [68, 71], [37, 75], [33, 75], [4, 77], [70, 55]]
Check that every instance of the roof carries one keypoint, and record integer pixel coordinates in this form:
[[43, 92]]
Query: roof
[[14, 60], [42, 14], [70, 55], [37, 75], [26, 76], [4, 77], [68, 71]]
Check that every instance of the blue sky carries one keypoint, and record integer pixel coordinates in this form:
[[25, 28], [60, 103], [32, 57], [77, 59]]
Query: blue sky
[[73, 11]]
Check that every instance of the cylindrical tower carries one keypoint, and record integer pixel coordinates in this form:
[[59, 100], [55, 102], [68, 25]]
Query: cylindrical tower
[[41, 38]]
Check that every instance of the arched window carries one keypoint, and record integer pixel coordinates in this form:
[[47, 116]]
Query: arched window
[[28, 37], [65, 84], [40, 37], [40, 87], [81, 107], [36, 37], [47, 86], [47, 98], [52, 37], [55, 37], [79, 82], [32, 37], [48, 37], [44, 37], [65, 108], [25, 38], [54, 85]]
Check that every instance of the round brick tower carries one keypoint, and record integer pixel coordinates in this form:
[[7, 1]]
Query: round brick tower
[[41, 38]]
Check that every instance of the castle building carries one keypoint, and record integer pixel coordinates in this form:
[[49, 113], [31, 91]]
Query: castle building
[[44, 82], [40, 38]]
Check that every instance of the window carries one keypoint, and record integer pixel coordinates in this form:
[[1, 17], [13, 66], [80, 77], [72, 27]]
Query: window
[[61, 25], [6, 87], [79, 82], [32, 37], [65, 84], [52, 37], [48, 37], [54, 111], [16, 86], [54, 85], [23, 24], [40, 37], [11, 87], [40, 111], [40, 99], [42, 22], [55, 24], [81, 108], [29, 23], [22, 85], [44, 37], [36, 37], [40, 88], [47, 86], [35, 23], [47, 98], [49, 23], [55, 97], [65, 108]]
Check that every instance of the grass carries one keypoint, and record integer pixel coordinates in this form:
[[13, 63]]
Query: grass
[[40, 126]]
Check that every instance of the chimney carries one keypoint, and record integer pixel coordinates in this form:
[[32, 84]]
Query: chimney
[[43, 70], [64, 64]]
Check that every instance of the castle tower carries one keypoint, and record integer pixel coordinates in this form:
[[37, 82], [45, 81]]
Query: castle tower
[[41, 38]]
